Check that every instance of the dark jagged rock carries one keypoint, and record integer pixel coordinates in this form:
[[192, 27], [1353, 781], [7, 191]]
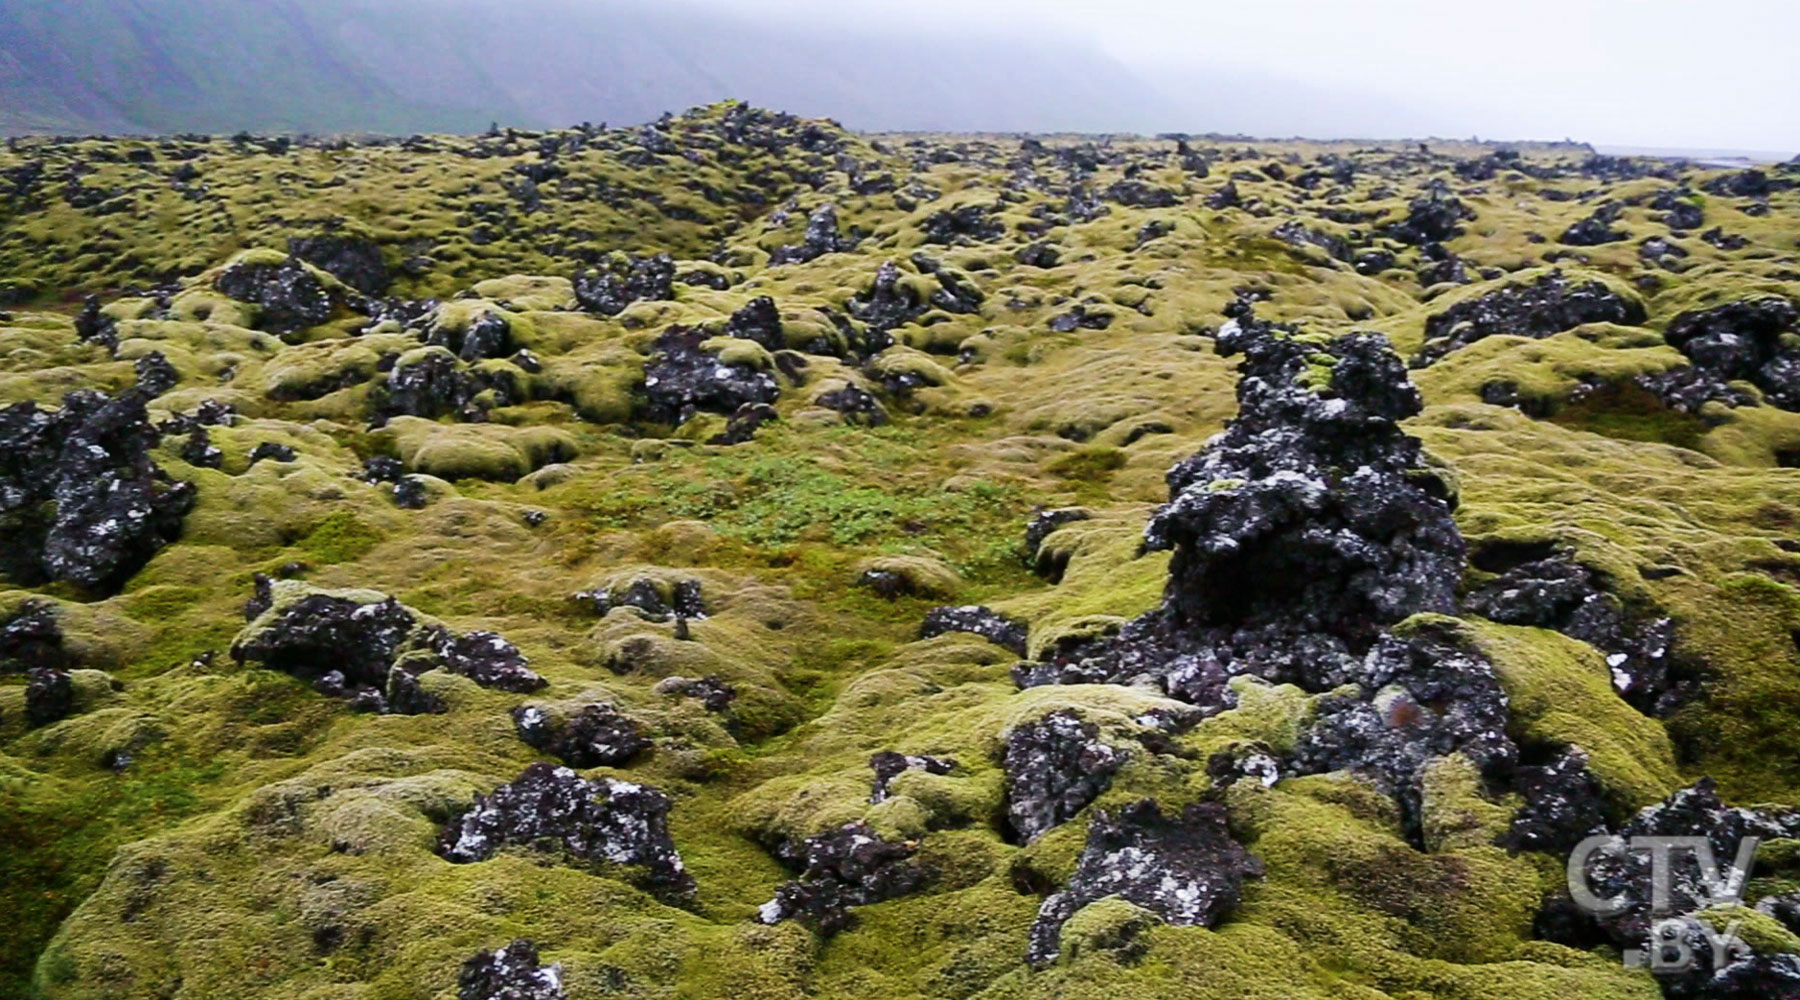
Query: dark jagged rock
[[684, 599], [1186, 869], [743, 424], [410, 493], [1371, 262], [353, 261], [637, 279], [271, 450], [1295, 233], [368, 653], [1054, 768], [1564, 803], [155, 375], [760, 321], [1679, 211], [510, 973], [1561, 594], [1039, 528], [1420, 698], [1636, 925], [1547, 306], [713, 692], [1079, 318], [292, 298], [1440, 266], [1596, 228], [1744, 340], [1661, 252], [1718, 237], [857, 405], [30, 639], [80, 499], [1138, 194], [596, 736], [1433, 218], [888, 303], [955, 293], [681, 379], [1039, 254], [598, 821], [382, 469], [96, 327], [1225, 197], [889, 765], [488, 336], [434, 385], [199, 451], [974, 223], [49, 695], [995, 628], [1746, 184], [848, 867], [822, 237]]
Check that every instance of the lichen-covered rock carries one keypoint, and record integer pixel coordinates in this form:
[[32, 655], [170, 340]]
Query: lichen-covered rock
[[272, 451], [30, 638], [596, 735], [758, 320], [822, 237], [656, 600], [1564, 803], [155, 375], [1561, 594], [1186, 869], [488, 335], [1432, 218], [354, 261], [845, 868], [682, 379], [971, 223], [596, 821], [1054, 766], [510, 973], [995, 628], [289, 296], [80, 499], [1547, 306], [1745, 340], [713, 692], [49, 695], [367, 648], [889, 765], [1596, 228], [94, 326], [620, 283]]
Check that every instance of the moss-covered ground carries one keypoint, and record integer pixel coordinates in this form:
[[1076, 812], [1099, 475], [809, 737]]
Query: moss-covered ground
[[264, 841]]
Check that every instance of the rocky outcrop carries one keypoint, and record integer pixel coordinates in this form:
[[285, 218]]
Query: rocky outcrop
[[848, 867], [682, 379], [80, 499], [600, 822], [354, 261], [1547, 306], [822, 237], [995, 628], [1186, 869], [889, 765], [289, 297], [1746, 340], [510, 973], [596, 735], [619, 283], [1054, 766]]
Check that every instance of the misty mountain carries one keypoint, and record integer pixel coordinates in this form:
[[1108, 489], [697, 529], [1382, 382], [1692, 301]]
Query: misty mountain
[[161, 66]]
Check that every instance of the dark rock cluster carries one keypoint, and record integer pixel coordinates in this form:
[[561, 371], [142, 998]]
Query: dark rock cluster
[[80, 499], [995, 628], [845, 868], [619, 283], [681, 379], [1054, 766], [596, 821], [889, 765], [595, 736], [1645, 927], [684, 600], [1186, 869], [354, 261], [1596, 228], [1746, 340], [822, 237], [435, 385], [291, 297], [1547, 306], [371, 654], [31, 642], [510, 973]]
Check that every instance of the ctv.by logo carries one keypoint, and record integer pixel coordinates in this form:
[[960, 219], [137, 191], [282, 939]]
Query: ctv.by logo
[[1674, 929]]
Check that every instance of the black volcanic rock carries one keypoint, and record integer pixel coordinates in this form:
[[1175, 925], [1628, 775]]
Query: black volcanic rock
[[848, 867], [596, 736], [1054, 766], [290, 296], [1547, 306], [510, 973], [681, 380], [354, 261], [596, 821], [1186, 869], [995, 628], [620, 283]]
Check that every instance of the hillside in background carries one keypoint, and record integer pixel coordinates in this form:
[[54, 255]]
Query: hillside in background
[[402, 66]]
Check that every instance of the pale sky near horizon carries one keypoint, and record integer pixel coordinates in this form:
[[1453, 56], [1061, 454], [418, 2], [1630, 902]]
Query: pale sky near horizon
[[1719, 74]]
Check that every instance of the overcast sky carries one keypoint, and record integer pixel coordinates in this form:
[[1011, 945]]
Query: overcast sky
[[1675, 73]]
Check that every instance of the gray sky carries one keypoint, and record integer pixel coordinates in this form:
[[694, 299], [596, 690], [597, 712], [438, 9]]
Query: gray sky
[[1687, 73]]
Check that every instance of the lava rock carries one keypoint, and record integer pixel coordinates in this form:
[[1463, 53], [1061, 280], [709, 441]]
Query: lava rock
[[483, 657], [353, 261], [760, 321], [1564, 803], [291, 297], [684, 600], [49, 695], [80, 499], [974, 223], [1079, 318], [488, 336], [848, 867], [382, 469], [598, 821], [199, 451], [96, 327], [1596, 228], [995, 628], [31, 639], [596, 736], [889, 765], [271, 450], [1054, 768], [432, 384], [510, 973], [681, 380], [1679, 211], [155, 375], [889, 302], [857, 405], [822, 237], [635, 279], [1040, 254], [713, 692], [1186, 869], [1547, 306], [1744, 340], [1433, 218], [410, 493]]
